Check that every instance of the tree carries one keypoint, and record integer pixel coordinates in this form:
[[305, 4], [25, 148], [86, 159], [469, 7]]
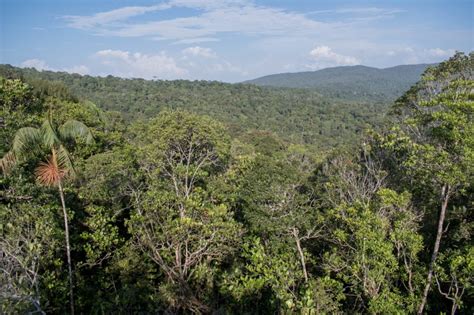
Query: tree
[[25, 239], [434, 145], [457, 278], [276, 205], [177, 222], [29, 141], [268, 189], [375, 247], [373, 234], [266, 279]]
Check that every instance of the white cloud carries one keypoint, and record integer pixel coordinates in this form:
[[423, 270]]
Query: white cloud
[[253, 24], [41, 65], [213, 69], [228, 67], [199, 52], [256, 38], [369, 10], [218, 17], [247, 20], [400, 51], [108, 18], [207, 4], [104, 18], [361, 10], [127, 64], [35, 63], [359, 15], [410, 55], [196, 63], [214, 18], [260, 38], [78, 69], [438, 52], [124, 55], [195, 40], [324, 56]]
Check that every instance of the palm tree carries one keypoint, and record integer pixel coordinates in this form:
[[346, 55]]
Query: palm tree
[[58, 166]]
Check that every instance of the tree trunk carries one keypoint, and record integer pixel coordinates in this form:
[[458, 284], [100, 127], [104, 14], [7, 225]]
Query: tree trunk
[[68, 248], [301, 254], [445, 198], [454, 307]]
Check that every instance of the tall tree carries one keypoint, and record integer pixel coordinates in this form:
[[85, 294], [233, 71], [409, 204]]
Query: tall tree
[[29, 141]]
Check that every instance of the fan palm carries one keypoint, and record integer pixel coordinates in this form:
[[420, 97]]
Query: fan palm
[[58, 166]]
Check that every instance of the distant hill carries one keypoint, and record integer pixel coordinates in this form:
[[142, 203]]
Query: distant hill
[[354, 83]]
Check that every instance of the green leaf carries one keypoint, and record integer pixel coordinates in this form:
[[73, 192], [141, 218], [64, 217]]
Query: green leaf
[[73, 129], [26, 139], [48, 133]]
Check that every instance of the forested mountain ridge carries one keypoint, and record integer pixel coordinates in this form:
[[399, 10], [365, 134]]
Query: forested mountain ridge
[[297, 115], [356, 83]]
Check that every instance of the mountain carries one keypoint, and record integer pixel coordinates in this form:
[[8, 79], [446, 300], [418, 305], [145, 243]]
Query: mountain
[[354, 83]]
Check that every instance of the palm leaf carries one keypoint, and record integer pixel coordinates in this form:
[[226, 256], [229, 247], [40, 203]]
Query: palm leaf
[[50, 138], [73, 129], [96, 110], [26, 139], [65, 161]]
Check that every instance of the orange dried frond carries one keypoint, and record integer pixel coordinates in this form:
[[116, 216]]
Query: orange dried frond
[[50, 173], [7, 162]]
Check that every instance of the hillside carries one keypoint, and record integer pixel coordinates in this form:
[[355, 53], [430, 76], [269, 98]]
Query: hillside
[[297, 115], [355, 83]]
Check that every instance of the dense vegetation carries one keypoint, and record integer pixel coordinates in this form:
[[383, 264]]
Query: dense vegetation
[[296, 115], [178, 214], [351, 83]]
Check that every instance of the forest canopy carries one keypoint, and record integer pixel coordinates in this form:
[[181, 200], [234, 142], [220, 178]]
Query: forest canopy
[[201, 197], [299, 116]]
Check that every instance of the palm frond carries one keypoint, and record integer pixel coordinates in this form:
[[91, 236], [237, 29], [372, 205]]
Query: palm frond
[[96, 110], [7, 162], [51, 172], [26, 139], [50, 138], [65, 161], [73, 129]]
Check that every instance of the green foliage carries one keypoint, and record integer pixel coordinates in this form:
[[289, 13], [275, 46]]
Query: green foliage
[[242, 211], [442, 121], [27, 240], [278, 271], [431, 153], [176, 221], [296, 115], [454, 275], [375, 248]]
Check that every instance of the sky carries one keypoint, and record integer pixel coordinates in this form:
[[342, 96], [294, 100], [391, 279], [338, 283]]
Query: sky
[[228, 40]]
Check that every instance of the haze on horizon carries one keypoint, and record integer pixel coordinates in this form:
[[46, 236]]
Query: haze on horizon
[[230, 40]]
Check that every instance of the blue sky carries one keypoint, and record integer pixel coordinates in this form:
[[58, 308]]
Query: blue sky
[[228, 40]]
